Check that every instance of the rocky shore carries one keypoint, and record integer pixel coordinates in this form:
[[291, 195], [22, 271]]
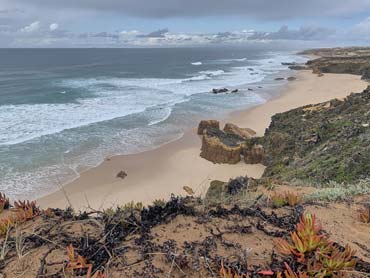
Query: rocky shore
[[354, 60], [307, 216]]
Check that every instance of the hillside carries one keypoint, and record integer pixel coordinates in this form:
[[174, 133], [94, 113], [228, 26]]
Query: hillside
[[321, 143]]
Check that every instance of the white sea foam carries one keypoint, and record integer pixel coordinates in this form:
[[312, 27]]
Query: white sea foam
[[212, 72], [153, 99], [161, 115], [128, 96], [197, 63], [229, 61]]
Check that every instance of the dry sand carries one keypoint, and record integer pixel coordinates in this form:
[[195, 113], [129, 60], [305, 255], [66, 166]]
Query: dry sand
[[158, 173]]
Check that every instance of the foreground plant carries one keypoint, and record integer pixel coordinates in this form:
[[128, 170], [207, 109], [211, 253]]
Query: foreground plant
[[314, 252], [229, 273], [24, 211], [289, 273], [4, 202], [77, 264], [364, 215], [285, 199]]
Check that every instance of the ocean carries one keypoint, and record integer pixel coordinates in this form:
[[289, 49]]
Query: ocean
[[63, 111]]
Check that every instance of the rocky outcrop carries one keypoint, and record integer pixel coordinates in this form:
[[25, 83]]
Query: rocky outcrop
[[219, 147], [220, 91], [291, 78], [228, 145], [205, 124], [351, 60], [254, 154], [298, 67], [224, 90], [244, 133], [219, 190]]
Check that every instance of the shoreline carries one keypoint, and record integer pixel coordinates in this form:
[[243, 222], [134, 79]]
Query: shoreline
[[158, 173]]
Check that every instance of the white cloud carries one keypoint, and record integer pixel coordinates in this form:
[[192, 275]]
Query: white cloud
[[53, 27], [363, 27], [359, 33], [33, 27], [304, 33]]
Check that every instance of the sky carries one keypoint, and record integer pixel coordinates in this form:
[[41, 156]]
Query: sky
[[156, 23]]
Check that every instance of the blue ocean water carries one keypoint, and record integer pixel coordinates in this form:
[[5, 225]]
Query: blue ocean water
[[63, 111]]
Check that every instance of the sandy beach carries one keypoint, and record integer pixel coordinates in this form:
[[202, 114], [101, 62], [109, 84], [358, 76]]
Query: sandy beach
[[159, 173]]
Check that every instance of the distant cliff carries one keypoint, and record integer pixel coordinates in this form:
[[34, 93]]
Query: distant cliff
[[353, 60]]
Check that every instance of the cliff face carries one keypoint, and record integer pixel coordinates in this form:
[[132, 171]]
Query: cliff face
[[355, 60], [324, 142]]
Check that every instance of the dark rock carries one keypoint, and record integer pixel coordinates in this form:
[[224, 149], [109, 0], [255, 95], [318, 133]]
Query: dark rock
[[235, 91], [205, 124], [215, 191], [279, 78], [297, 67], [121, 175], [291, 78], [250, 89], [234, 186], [220, 91]]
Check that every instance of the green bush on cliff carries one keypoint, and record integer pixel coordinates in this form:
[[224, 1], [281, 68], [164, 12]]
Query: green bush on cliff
[[321, 143]]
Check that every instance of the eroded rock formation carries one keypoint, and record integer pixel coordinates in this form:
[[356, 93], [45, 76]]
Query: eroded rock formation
[[244, 133], [203, 125], [219, 147]]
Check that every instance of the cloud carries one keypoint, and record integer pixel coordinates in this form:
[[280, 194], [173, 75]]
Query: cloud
[[156, 34], [53, 27], [309, 33], [265, 9], [105, 35], [163, 37], [33, 27], [362, 28]]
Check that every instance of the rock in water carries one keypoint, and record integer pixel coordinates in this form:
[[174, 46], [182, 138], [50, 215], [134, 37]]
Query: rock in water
[[203, 125], [235, 91], [279, 78], [298, 67], [289, 63], [291, 78], [219, 91], [219, 147], [244, 133]]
